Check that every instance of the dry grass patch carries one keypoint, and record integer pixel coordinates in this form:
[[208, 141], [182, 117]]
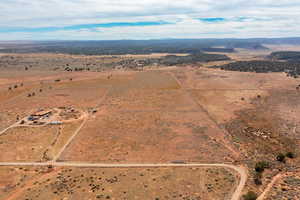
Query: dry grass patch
[[222, 105], [138, 183], [25, 143], [141, 137]]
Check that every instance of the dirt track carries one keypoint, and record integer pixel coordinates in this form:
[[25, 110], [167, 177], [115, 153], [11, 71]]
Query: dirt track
[[70, 139]]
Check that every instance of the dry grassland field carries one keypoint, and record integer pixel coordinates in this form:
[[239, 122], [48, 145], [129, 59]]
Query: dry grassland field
[[285, 187], [139, 183], [190, 132]]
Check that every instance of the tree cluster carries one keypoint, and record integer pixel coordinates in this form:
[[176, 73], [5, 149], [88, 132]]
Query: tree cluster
[[292, 69]]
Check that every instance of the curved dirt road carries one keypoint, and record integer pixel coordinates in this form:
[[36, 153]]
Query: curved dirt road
[[236, 195], [11, 126]]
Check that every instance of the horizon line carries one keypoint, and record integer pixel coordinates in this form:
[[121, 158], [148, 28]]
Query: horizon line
[[239, 38]]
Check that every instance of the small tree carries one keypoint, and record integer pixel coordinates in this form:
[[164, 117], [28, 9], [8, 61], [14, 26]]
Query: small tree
[[257, 181], [250, 196], [290, 155], [261, 166], [257, 178], [280, 157]]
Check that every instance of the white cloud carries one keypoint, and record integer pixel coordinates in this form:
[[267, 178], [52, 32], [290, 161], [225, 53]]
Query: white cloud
[[270, 18]]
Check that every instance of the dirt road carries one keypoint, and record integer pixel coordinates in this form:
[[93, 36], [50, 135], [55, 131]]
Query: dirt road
[[70, 139], [270, 185], [11, 126]]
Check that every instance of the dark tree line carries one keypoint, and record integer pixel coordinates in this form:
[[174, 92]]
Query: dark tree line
[[291, 56], [172, 60], [291, 68]]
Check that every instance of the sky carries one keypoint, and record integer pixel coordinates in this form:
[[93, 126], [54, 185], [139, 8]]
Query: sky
[[147, 19]]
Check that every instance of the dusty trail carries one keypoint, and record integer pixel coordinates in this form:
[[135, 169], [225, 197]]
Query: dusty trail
[[11, 126], [17, 193], [70, 139], [86, 117], [225, 142], [270, 185]]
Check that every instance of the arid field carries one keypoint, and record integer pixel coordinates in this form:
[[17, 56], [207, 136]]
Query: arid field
[[157, 115]]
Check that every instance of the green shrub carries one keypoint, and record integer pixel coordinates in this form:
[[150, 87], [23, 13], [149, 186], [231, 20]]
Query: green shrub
[[290, 155], [250, 196], [257, 181], [257, 178], [261, 166], [280, 157]]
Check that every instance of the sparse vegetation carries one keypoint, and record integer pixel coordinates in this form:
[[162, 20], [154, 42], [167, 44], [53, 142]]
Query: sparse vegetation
[[92, 183], [250, 196], [169, 60]]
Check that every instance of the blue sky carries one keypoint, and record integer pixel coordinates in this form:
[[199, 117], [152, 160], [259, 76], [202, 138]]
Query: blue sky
[[147, 19], [212, 19], [80, 27]]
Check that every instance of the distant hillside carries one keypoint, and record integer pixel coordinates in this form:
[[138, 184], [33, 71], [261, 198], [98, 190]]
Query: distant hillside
[[221, 50], [292, 56], [119, 47], [190, 46]]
